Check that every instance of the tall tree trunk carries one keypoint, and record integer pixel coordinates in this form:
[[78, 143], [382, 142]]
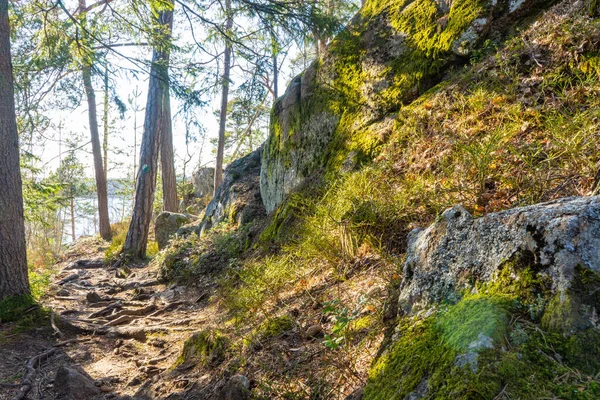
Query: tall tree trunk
[[167, 160], [137, 236], [105, 123], [274, 54], [13, 253], [72, 206], [86, 72], [135, 144], [224, 98]]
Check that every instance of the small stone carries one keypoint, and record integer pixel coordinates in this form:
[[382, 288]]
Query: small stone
[[63, 293], [93, 297], [158, 343], [81, 355], [314, 331], [135, 381]]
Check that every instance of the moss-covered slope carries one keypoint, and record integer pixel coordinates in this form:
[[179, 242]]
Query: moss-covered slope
[[391, 52], [387, 147]]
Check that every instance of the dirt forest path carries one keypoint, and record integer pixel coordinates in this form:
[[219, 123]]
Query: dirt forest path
[[115, 332]]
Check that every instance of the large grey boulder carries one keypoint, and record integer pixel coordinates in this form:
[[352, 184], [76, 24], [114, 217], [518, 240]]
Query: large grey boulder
[[167, 224], [72, 384], [368, 73], [459, 250], [203, 180], [197, 197], [237, 200]]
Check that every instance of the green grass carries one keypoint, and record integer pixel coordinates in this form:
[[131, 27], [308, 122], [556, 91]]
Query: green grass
[[119, 234], [14, 308], [21, 314], [205, 348]]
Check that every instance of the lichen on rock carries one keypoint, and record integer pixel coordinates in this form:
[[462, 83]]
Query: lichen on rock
[[500, 304]]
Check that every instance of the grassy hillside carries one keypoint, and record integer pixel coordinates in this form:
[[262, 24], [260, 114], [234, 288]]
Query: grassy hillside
[[518, 124]]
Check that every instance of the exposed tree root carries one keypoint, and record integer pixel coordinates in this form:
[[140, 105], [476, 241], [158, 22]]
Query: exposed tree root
[[139, 311], [57, 331], [27, 381], [87, 264]]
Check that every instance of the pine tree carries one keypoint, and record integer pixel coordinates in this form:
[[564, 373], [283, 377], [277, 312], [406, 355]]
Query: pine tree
[[13, 258], [157, 117]]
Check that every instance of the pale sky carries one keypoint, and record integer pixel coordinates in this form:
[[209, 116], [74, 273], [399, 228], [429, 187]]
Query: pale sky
[[121, 140]]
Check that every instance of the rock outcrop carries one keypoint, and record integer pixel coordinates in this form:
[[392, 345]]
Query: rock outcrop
[[197, 196], [203, 180], [167, 224], [459, 250], [390, 53], [238, 199], [498, 306]]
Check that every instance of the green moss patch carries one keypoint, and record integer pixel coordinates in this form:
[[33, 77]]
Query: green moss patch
[[206, 348], [510, 336], [463, 324], [269, 328], [14, 308]]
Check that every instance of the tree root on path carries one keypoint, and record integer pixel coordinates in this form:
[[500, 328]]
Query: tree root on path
[[139, 312], [71, 341], [123, 319], [57, 331], [135, 284], [87, 264], [27, 382], [106, 310]]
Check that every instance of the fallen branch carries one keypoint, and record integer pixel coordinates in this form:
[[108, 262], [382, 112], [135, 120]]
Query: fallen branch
[[67, 298], [69, 278]]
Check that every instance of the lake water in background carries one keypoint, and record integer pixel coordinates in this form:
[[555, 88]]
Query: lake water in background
[[86, 215]]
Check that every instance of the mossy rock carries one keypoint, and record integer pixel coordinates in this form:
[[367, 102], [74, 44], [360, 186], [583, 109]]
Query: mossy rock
[[575, 309], [206, 348], [499, 339]]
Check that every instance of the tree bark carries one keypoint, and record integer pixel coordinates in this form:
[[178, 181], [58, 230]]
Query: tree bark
[[167, 161], [72, 206], [105, 123], [224, 98], [101, 189], [137, 236], [13, 253], [274, 54]]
